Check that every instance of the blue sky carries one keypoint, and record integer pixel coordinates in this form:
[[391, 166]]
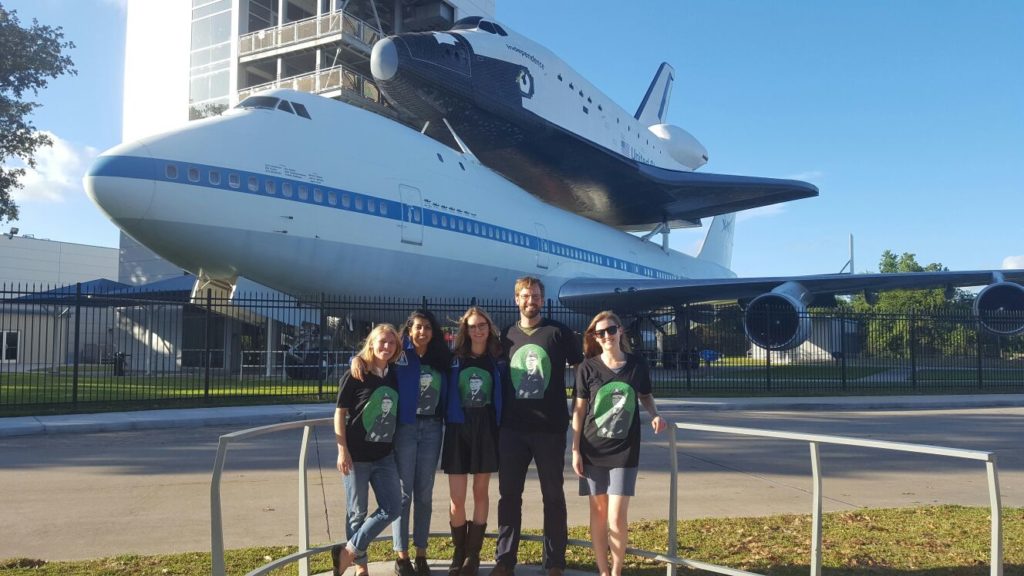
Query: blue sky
[[909, 116]]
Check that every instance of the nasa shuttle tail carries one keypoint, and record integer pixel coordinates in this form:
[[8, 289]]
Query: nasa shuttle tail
[[717, 247], [655, 103]]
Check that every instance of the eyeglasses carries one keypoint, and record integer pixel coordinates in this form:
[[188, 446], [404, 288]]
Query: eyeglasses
[[609, 331], [478, 326]]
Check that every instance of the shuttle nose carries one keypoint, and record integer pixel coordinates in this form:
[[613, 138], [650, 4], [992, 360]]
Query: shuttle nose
[[384, 59], [121, 183]]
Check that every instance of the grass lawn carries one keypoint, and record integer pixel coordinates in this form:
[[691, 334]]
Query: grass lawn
[[930, 541]]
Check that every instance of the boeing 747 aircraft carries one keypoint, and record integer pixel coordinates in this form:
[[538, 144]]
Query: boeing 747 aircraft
[[267, 191]]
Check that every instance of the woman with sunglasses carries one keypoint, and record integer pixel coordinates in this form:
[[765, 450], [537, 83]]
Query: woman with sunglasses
[[471, 438], [611, 385]]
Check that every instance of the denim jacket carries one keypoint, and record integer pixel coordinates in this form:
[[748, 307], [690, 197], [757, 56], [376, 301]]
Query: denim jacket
[[407, 369]]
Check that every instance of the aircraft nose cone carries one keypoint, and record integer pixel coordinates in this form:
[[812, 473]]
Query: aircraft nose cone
[[384, 59], [121, 183]]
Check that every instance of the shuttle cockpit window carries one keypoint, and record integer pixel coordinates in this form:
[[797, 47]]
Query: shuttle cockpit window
[[264, 102], [468, 23], [500, 30], [487, 27]]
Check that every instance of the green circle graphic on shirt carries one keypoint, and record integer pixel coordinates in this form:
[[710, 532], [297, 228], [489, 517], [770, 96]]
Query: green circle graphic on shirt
[[475, 385], [614, 405], [381, 407], [531, 371], [430, 387]]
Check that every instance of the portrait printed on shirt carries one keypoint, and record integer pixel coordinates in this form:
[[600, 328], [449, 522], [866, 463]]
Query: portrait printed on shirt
[[430, 391], [614, 405], [475, 385], [380, 415], [531, 372]]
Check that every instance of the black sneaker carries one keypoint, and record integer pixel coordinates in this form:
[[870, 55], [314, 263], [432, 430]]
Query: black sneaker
[[403, 567], [422, 568]]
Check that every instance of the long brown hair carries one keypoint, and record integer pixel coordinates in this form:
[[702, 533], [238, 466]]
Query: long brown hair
[[463, 344], [591, 347]]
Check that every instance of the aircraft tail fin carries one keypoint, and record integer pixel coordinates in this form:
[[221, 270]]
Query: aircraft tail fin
[[654, 106], [717, 247]]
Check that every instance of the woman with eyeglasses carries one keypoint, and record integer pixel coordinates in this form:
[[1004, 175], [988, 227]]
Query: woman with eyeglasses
[[471, 436], [611, 385]]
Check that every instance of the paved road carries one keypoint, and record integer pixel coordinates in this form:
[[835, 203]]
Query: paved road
[[91, 494]]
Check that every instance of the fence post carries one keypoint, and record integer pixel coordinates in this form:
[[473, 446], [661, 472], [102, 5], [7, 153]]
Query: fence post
[[913, 356], [977, 338], [321, 365], [684, 354], [206, 344], [842, 350], [74, 353]]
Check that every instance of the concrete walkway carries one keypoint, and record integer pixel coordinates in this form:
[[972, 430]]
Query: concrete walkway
[[246, 416]]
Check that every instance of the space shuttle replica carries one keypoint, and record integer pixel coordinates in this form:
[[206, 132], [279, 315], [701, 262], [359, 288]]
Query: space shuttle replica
[[520, 166], [529, 116]]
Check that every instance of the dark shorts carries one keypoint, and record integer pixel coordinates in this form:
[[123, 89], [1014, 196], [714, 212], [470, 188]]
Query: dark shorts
[[472, 447], [598, 480]]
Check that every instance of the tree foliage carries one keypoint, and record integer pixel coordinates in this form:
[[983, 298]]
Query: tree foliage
[[29, 58]]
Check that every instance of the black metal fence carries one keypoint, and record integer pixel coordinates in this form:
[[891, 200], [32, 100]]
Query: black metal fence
[[74, 346]]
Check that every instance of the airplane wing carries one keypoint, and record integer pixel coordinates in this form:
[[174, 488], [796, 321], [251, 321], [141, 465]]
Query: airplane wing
[[633, 295]]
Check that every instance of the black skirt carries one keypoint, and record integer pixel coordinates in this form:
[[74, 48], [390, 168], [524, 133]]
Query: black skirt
[[472, 447]]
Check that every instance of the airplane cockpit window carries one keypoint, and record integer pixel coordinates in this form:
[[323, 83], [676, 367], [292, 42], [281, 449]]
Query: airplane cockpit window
[[300, 109], [468, 23], [284, 105], [264, 102]]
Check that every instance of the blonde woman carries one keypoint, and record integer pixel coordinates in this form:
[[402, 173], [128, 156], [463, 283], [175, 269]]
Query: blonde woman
[[611, 385], [364, 426]]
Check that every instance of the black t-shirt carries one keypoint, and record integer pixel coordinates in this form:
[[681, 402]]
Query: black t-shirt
[[611, 431], [372, 414], [535, 394], [476, 382]]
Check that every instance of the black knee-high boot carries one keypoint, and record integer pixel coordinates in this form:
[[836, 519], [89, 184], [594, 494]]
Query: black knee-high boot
[[474, 541], [459, 555]]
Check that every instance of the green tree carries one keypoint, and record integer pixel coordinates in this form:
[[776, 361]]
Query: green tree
[[29, 58], [935, 322]]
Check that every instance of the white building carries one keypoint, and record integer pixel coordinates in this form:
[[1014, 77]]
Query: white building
[[190, 59]]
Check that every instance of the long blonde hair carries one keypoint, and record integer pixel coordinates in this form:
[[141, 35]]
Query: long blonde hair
[[463, 344], [366, 353], [591, 347]]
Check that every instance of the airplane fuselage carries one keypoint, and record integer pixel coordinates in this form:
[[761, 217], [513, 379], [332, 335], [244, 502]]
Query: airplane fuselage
[[348, 202]]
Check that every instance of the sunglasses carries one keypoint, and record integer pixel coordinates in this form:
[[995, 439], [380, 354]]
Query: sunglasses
[[609, 331], [478, 326]]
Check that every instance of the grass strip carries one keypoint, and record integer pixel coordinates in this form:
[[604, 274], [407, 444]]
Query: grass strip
[[928, 541]]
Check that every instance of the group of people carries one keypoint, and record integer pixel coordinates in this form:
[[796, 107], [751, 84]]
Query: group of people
[[493, 404]]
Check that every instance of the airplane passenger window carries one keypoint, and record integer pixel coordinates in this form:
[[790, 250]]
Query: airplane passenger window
[[171, 171], [264, 102], [254, 184], [234, 180], [383, 207], [332, 198], [214, 177], [462, 225], [318, 195], [359, 202], [286, 189], [415, 214], [345, 201], [270, 187], [433, 219], [300, 109], [444, 220], [303, 193], [371, 205], [284, 105], [193, 174]]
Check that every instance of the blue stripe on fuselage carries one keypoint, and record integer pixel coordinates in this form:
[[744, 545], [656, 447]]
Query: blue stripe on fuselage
[[161, 171]]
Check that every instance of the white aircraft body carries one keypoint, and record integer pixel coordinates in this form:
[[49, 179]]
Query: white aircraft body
[[285, 201]]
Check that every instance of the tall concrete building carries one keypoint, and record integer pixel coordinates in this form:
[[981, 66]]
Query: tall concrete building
[[187, 59]]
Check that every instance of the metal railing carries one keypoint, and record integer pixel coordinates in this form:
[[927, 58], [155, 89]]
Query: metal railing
[[321, 81], [670, 558], [347, 26]]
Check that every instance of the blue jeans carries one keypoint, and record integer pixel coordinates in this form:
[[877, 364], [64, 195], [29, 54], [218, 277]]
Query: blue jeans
[[417, 449], [382, 475]]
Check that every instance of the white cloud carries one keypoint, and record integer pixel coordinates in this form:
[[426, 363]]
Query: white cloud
[[58, 172], [1013, 262]]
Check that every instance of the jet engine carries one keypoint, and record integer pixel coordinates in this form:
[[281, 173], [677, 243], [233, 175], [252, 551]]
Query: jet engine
[[681, 145], [779, 319], [1000, 308]]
